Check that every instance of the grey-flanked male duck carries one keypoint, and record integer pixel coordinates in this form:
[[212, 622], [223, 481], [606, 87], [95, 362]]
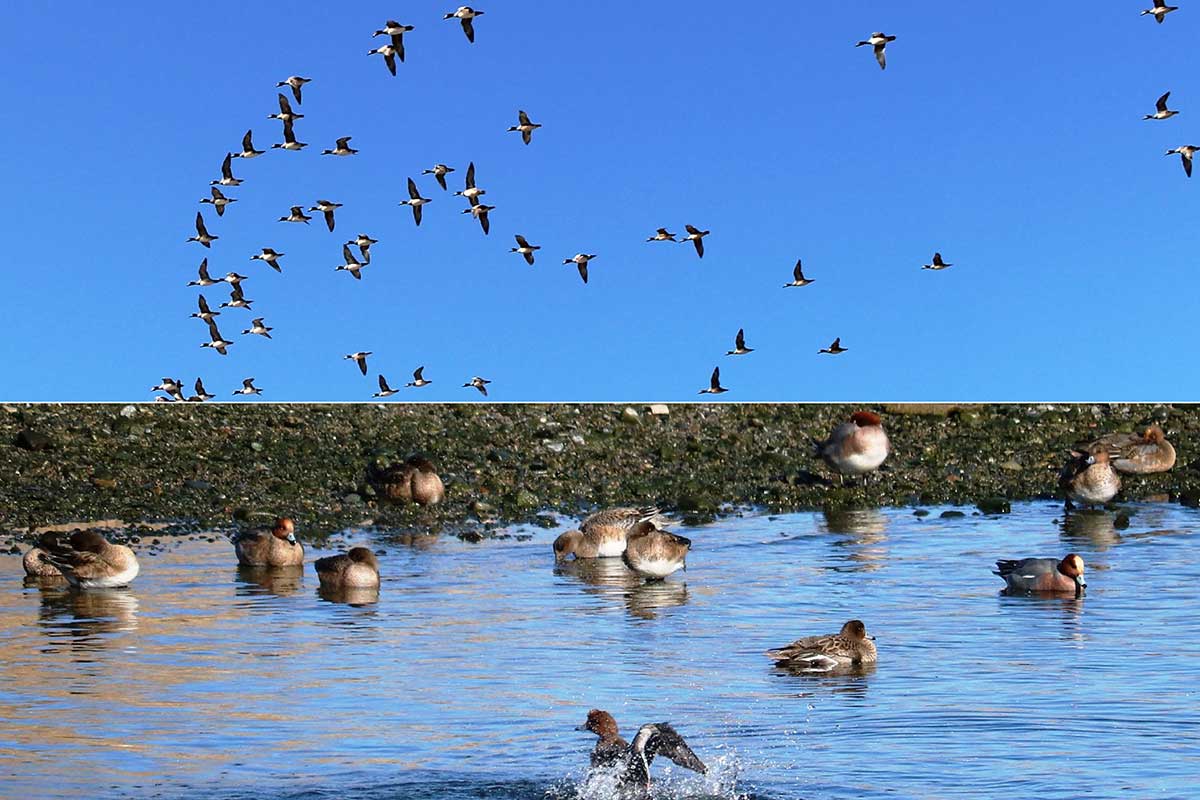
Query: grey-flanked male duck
[[360, 358], [478, 383], [1161, 110], [218, 200], [364, 242], [237, 299], [327, 208], [285, 111], [525, 248], [632, 760], [1160, 10], [937, 264], [525, 127], [466, 15], [1185, 153], [205, 313], [739, 345], [88, 560], [202, 235], [205, 280], [696, 237], [581, 260], [357, 569], [603, 534], [396, 31], [201, 395], [714, 384], [415, 201], [341, 148], [470, 190], [257, 328], [248, 388], [227, 178], [289, 139], [297, 83], [480, 212], [217, 341], [798, 278], [1138, 453], [269, 257], [418, 379], [1032, 575], [850, 647], [439, 172], [1089, 478], [879, 41], [662, 235], [248, 150], [389, 53], [654, 553], [352, 265], [384, 389], [834, 349], [273, 547]]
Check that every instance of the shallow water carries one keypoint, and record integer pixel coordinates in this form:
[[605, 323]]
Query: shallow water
[[468, 673]]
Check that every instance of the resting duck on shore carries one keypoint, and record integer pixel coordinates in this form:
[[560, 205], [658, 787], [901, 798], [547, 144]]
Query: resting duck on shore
[[633, 760], [1138, 454], [1089, 478], [856, 447]]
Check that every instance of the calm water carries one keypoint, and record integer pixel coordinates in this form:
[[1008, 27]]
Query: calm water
[[467, 676]]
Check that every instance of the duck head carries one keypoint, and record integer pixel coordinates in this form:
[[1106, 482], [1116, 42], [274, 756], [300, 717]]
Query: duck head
[[285, 529], [1072, 567], [566, 544], [600, 723]]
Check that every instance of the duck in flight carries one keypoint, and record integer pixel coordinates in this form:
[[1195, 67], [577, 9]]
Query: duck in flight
[[478, 383], [467, 15], [237, 299], [202, 235], [696, 237], [297, 83], [248, 150], [352, 265], [201, 395], [879, 41], [396, 31], [364, 242], [217, 341], [289, 140], [439, 172], [714, 384], [258, 328], [1160, 10], [218, 200], [937, 264], [1186, 154], [285, 111], [798, 278], [835, 348], [227, 178], [415, 201], [739, 345], [525, 248], [360, 358], [233, 279], [205, 313], [248, 388], [205, 280], [389, 52], [341, 148], [663, 235], [480, 212], [171, 386], [581, 261], [327, 208], [418, 379], [297, 215], [470, 190], [270, 257], [384, 389], [1161, 110], [525, 127]]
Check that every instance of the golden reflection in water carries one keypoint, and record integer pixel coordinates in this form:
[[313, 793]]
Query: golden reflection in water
[[87, 620], [867, 529], [849, 681], [277, 581], [351, 596], [611, 579], [1094, 528]]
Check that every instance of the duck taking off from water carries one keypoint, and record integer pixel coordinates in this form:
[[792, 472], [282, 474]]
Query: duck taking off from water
[[632, 760], [879, 41]]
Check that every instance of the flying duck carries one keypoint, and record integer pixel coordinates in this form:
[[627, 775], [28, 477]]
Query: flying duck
[[478, 383], [526, 127], [835, 348], [257, 327], [296, 82], [1160, 10], [285, 111], [205, 312], [480, 212], [352, 265], [739, 345], [654, 553], [248, 150], [663, 235], [633, 760], [696, 237], [1161, 112], [937, 264], [880, 42], [201, 395], [270, 257], [297, 215], [418, 379], [439, 172], [581, 261], [202, 236], [714, 384], [341, 148], [470, 191], [327, 208], [1185, 153], [171, 386], [88, 560], [218, 343], [798, 278], [233, 279], [205, 280], [416, 201], [227, 178], [389, 53], [275, 548], [289, 139], [396, 31], [237, 299], [248, 388], [525, 248], [364, 242], [360, 358], [218, 200], [467, 15], [850, 647], [384, 389], [1033, 575]]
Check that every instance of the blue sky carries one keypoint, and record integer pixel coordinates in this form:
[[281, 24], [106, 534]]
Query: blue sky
[[1007, 138]]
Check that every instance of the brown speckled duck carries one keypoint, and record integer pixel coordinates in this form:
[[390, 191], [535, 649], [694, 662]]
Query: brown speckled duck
[[849, 647], [414, 481], [1089, 478], [357, 569], [1138, 454]]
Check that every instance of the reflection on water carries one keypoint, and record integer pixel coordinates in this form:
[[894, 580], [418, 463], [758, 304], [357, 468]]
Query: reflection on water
[[351, 596], [466, 673]]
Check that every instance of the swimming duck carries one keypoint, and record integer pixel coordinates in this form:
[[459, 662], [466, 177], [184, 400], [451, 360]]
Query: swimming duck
[[414, 481], [655, 553], [36, 564], [1185, 153], [327, 208], [1089, 478], [258, 328], [202, 236], [237, 299], [581, 261], [525, 248], [634, 760], [603, 534], [418, 379], [205, 312], [439, 172], [357, 569], [270, 257], [739, 345], [663, 235], [297, 83], [352, 265], [248, 150], [470, 190], [798, 278], [467, 15], [1160, 10], [416, 201], [218, 343], [855, 447], [201, 395], [396, 31], [480, 212], [364, 242], [289, 140], [248, 388], [696, 237], [389, 53], [526, 127], [938, 263], [848, 648], [1029, 575], [205, 280], [227, 178], [880, 42], [384, 389], [89, 561], [285, 111], [360, 359], [1161, 112], [1138, 454], [341, 148], [297, 215], [276, 547], [218, 200], [714, 384], [478, 383], [835, 348]]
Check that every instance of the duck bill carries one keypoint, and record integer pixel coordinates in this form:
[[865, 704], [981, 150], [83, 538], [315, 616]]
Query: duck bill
[[1080, 587], [292, 539]]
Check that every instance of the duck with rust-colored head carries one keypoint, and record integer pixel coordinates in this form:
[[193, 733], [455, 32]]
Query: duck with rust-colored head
[[856, 447], [633, 760], [273, 547], [1034, 575], [1089, 478]]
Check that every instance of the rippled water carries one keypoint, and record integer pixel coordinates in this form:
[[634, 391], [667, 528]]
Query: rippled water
[[468, 675]]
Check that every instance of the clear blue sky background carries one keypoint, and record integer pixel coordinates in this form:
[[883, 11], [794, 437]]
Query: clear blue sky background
[[1006, 137]]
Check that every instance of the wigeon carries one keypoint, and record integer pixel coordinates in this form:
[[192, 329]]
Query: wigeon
[[414, 481], [36, 566], [1139, 454], [357, 569], [89, 561], [856, 447], [1089, 478], [849, 647], [1160, 109], [1043, 575], [603, 534], [277, 547], [655, 553], [633, 760]]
